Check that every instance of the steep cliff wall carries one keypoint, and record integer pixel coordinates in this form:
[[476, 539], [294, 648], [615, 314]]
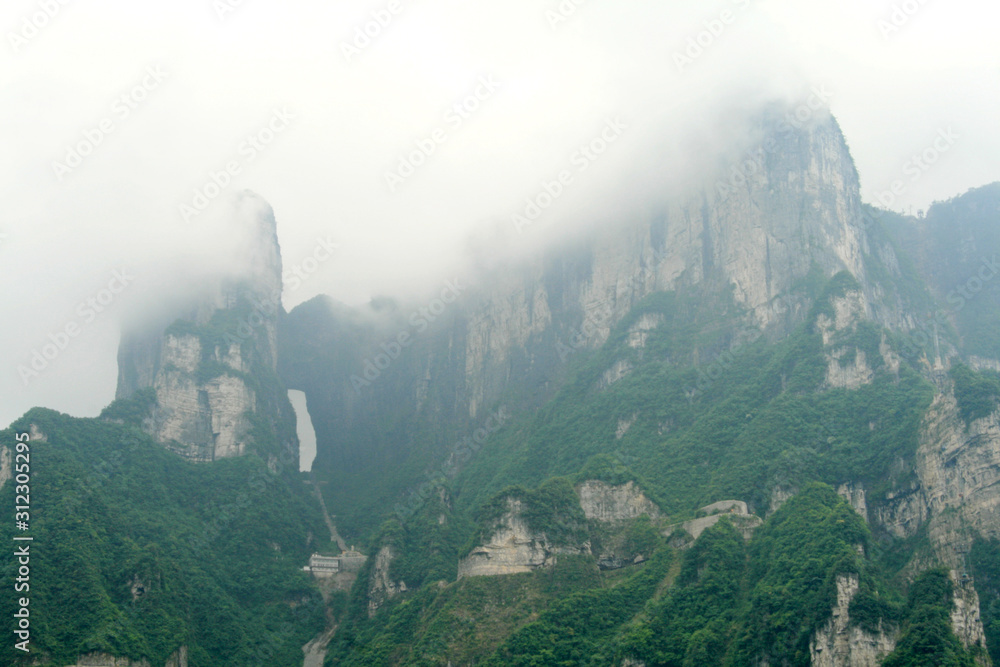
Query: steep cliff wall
[[380, 586], [840, 644], [213, 363], [954, 496], [509, 332], [800, 210], [614, 503]]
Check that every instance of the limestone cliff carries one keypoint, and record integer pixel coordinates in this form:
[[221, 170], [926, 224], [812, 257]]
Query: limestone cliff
[[756, 240], [6, 466], [848, 366], [515, 326], [380, 587], [213, 366], [840, 644], [613, 504], [178, 659], [955, 494], [514, 548]]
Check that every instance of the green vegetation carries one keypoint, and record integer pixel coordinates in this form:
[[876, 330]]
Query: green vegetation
[[734, 604], [137, 552], [722, 601], [977, 393], [553, 508], [796, 559], [955, 248], [726, 429], [577, 628], [928, 640], [464, 621], [133, 410], [984, 563], [692, 624]]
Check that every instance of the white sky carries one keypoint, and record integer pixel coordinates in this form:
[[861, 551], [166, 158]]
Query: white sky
[[62, 239]]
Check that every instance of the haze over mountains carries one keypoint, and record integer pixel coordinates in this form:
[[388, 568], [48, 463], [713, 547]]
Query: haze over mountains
[[225, 77], [631, 336], [761, 380]]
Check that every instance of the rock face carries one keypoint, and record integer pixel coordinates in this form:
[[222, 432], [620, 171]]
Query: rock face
[[380, 587], [514, 548], [956, 494], [757, 240], [214, 367], [856, 496], [839, 644], [614, 504], [958, 468], [178, 659], [799, 212], [6, 469], [847, 366]]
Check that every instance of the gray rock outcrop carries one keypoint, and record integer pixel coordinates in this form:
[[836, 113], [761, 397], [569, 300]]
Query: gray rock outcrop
[[841, 644], [613, 504], [380, 586], [956, 494], [514, 548], [213, 366]]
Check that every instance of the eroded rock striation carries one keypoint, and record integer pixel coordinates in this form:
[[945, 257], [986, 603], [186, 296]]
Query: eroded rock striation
[[514, 548], [841, 644]]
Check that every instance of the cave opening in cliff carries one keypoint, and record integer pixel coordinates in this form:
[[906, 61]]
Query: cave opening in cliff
[[304, 429]]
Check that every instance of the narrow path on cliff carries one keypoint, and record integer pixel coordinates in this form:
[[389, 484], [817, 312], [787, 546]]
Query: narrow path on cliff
[[334, 535], [315, 650]]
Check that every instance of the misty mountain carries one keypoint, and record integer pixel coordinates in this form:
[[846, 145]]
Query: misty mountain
[[757, 423]]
